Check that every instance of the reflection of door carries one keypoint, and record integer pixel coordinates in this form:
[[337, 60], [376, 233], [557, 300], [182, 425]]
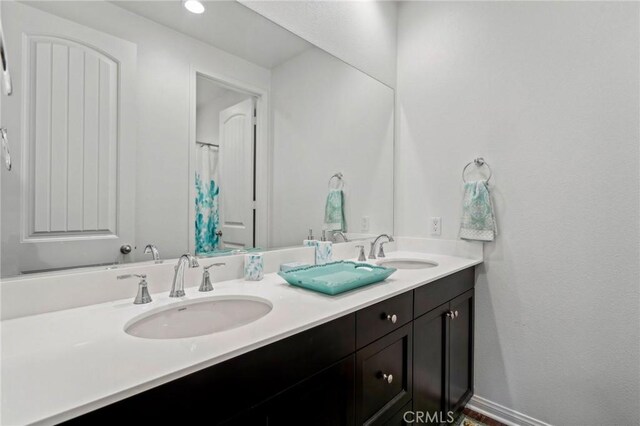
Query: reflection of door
[[236, 205], [69, 199]]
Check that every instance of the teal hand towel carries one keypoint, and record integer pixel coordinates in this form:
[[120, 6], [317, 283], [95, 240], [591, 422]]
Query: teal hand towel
[[478, 218], [334, 211]]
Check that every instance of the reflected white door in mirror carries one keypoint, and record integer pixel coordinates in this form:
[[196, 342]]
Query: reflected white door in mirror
[[74, 112]]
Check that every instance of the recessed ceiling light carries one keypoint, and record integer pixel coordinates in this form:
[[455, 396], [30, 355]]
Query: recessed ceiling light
[[193, 6]]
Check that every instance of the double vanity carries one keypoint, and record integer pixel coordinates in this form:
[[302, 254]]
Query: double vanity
[[254, 352], [243, 151]]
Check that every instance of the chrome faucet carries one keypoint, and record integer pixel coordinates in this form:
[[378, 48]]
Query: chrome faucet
[[177, 288], [372, 252], [334, 233], [206, 285], [150, 248], [143, 295]]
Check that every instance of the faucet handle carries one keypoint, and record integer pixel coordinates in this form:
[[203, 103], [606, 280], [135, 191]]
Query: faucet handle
[[372, 251], [381, 251], [143, 295], [206, 268], [206, 285], [361, 256], [123, 277]]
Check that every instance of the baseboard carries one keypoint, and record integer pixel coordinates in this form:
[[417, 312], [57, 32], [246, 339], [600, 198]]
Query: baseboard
[[501, 413]]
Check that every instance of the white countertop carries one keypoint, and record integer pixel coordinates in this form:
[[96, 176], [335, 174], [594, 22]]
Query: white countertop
[[59, 365]]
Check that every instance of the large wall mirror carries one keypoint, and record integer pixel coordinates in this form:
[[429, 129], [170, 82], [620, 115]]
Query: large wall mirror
[[136, 123]]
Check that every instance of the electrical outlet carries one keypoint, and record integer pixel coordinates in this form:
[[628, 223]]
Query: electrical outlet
[[364, 224], [435, 225]]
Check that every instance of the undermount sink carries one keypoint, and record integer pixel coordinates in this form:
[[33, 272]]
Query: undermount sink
[[199, 318], [408, 263]]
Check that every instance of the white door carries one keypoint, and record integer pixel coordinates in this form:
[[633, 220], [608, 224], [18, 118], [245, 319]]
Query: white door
[[70, 198], [237, 175]]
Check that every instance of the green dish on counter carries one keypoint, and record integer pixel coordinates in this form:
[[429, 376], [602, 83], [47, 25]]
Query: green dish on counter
[[227, 252], [336, 277]]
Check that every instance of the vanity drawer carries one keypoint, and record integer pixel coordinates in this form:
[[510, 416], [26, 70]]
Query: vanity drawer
[[434, 294], [377, 320], [384, 377]]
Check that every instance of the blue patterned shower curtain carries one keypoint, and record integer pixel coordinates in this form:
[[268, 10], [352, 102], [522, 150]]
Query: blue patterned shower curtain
[[207, 191]]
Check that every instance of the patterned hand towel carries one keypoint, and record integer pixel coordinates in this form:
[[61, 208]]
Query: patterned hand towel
[[478, 219], [334, 211]]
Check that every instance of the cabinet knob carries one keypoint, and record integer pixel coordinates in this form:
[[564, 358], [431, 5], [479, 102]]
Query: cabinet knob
[[390, 317], [386, 377], [453, 314]]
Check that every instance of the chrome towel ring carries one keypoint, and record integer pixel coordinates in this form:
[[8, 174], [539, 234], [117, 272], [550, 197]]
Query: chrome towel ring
[[478, 162]]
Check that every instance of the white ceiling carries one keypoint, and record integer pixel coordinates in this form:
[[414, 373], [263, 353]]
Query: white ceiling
[[227, 25]]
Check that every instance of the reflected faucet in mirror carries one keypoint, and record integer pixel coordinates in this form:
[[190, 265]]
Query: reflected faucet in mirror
[[341, 234], [177, 288], [150, 248]]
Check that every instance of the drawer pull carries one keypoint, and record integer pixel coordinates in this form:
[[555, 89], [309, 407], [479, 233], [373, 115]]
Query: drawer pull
[[390, 317], [386, 377], [453, 314]]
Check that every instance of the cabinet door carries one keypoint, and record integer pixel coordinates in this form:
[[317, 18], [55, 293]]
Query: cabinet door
[[326, 398], [429, 362], [384, 377], [460, 350]]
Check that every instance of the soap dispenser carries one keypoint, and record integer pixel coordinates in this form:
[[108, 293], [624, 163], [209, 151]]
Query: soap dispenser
[[324, 250], [310, 241]]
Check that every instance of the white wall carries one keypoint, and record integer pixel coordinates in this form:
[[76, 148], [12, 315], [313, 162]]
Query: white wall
[[208, 114], [362, 33], [347, 117], [548, 92], [165, 58]]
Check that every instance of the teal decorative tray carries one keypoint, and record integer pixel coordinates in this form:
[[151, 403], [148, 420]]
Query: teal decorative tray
[[336, 277]]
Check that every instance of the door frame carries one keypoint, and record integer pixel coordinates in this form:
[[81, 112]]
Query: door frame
[[262, 155]]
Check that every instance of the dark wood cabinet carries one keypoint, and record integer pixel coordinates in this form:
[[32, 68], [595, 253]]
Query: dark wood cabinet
[[360, 369], [326, 398], [398, 419], [232, 388], [383, 317], [443, 358], [460, 331], [432, 295], [429, 366], [384, 376]]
